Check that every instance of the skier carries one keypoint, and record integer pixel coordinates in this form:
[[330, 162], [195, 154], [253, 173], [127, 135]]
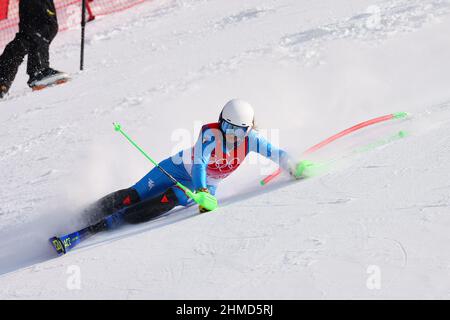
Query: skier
[[220, 149], [38, 26]]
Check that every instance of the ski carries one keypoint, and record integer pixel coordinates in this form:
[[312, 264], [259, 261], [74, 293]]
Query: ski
[[53, 84], [67, 242], [58, 245]]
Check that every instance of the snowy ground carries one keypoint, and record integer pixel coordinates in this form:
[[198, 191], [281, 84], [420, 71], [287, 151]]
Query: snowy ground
[[375, 226]]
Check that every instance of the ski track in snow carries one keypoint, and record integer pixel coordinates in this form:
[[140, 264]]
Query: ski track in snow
[[378, 23], [242, 254]]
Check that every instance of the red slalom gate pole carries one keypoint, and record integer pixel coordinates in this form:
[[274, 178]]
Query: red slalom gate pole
[[320, 145]]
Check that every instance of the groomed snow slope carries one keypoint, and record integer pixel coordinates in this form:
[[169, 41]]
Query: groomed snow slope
[[311, 68]]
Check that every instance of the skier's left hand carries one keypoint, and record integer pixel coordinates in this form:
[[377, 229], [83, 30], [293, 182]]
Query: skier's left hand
[[202, 209], [297, 170]]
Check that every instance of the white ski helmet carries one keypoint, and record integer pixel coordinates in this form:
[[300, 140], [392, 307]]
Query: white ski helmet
[[238, 112]]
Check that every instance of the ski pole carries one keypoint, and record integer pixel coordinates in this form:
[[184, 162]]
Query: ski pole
[[83, 32], [204, 199]]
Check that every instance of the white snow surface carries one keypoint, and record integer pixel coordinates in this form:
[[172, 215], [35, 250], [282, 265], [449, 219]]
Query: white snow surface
[[310, 68]]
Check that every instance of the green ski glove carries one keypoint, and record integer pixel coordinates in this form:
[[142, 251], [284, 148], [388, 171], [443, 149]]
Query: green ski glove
[[298, 171], [202, 209]]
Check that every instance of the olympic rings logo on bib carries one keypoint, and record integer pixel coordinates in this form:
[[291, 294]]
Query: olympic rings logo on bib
[[223, 165]]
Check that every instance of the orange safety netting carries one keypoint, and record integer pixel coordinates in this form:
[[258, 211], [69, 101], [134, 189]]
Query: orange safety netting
[[69, 14]]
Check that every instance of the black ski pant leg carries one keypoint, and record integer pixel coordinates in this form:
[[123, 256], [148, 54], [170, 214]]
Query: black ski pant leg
[[12, 58], [140, 212], [150, 209], [38, 57], [41, 28], [110, 204]]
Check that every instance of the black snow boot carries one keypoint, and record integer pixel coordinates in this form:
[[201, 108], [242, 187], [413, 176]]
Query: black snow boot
[[46, 77]]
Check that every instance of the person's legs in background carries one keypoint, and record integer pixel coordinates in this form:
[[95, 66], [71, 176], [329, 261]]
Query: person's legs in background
[[10, 61], [38, 60], [38, 67]]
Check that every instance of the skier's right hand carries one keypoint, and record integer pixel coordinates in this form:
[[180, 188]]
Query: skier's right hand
[[202, 209]]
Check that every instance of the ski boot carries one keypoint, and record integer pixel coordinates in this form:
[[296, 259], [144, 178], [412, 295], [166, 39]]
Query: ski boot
[[47, 78]]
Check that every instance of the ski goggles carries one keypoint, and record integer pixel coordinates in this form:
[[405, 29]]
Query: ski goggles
[[237, 131]]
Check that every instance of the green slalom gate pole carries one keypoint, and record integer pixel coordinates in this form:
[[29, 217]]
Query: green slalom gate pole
[[310, 169], [204, 199], [397, 116]]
